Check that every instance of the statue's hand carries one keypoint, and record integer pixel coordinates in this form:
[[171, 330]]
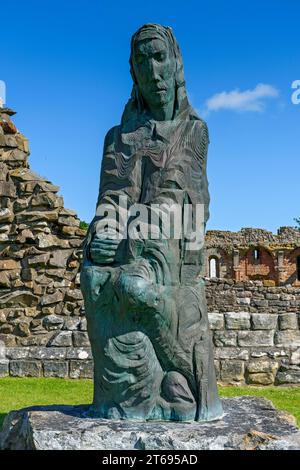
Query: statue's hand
[[103, 249]]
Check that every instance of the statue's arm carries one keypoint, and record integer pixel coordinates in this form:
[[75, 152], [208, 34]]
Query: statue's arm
[[98, 247]]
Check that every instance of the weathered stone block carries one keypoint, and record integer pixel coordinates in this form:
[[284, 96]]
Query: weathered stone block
[[40, 352], [39, 260], [264, 321], [5, 281], [67, 428], [22, 328], [39, 339], [232, 371], [83, 325], [22, 142], [278, 353], [4, 371], [9, 264], [243, 301], [288, 321], [6, 328], [59, 258], [225, 338], [80, 339], [56, 369], [79, 353], [295, 357], [283, 304], [272, 296], [52, 298], [72, 323], [289, 376], [287, 338], [264, 378], [52, 322], [81, 369], [20, 205], [25, 368], [17, 353], [237, 320], [258, 353], [262, 365], [74, 295], [19, 298], [216, 320], [29, 217], [6, 215], [259, 302], [47, 199], [8, 141], [62, 339], [255, 338], [31, 312], [7, 189], [70, 221], [231, 353], [8, 340], [50, 241]]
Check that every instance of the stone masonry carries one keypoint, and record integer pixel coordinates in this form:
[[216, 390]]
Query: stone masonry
[[255, 332], [255, 324], [255, 254], [40, 248]]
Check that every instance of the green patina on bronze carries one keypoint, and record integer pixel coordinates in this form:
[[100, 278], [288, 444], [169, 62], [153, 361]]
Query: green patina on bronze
[[145, 299]]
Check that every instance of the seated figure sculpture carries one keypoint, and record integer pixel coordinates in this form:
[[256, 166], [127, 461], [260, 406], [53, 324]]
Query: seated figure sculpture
[[145, 297]]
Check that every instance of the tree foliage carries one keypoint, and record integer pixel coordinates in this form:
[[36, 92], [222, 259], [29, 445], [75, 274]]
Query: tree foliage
[[83, 225]]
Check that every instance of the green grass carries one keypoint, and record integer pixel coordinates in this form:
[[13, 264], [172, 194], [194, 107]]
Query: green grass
[[283, 398], [18, 393]]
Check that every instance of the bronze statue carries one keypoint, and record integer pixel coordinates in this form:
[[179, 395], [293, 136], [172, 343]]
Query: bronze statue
[[144, 296]]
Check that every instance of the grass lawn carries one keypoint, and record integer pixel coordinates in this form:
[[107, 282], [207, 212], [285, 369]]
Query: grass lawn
[[18, 393], [283, 398]]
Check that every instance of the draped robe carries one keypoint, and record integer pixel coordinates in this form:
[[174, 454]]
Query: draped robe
[[146, 312]]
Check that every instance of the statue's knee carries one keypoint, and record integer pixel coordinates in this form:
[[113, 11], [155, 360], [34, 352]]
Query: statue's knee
[[135, 289], [175, 388]]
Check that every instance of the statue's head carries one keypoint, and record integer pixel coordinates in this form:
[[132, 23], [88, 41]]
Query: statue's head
[[156, 68]]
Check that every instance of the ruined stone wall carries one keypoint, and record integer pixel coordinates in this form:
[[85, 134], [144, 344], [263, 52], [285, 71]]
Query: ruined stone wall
[[279, 255], [255, 328], [40, 250], [255, 331]]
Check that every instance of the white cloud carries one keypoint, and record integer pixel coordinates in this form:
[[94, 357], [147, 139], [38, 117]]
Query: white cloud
[[236, 100]]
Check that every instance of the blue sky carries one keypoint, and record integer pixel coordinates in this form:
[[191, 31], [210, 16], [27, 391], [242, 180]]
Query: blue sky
[[65, 65]]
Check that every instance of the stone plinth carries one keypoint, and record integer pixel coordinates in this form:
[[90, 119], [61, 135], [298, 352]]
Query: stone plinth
[[248, 423]]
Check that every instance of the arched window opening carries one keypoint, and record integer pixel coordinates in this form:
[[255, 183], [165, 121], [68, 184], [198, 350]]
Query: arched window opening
[[256, 255], [213, 267], [298, 268]]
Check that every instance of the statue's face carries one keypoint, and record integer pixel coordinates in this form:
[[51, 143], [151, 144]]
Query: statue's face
[[154, 68]]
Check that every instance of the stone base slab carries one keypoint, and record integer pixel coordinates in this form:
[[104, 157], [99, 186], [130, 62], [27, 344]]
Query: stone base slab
[[249, 423]]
